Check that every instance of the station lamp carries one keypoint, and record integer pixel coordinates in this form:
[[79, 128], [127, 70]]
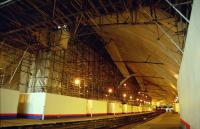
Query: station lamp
[[176, 76], [59, 27], [130, 97], [110, 90], [77, 81], [137, 99], [124, 95]]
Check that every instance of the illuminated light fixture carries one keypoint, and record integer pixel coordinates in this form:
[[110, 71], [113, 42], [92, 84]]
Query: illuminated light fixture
[[124, 95], [77, 81], [176, 76], [141, 100], [87, 91], [59, 27], [106, 95], [110, 90], [130, 97], [146, 96], [138, 92], [137, 99], [125, 84]]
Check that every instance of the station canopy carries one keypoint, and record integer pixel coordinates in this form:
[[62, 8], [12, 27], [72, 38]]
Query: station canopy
[[145, 39]]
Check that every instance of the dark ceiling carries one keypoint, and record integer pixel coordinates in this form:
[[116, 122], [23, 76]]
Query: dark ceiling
[[19, 19]]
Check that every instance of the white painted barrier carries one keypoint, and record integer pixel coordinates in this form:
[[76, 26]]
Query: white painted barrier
[[64, 106], [46, 105], [32, 105], [114, 108], [8, 103], [97, 107], [135, 109], [126, 108]]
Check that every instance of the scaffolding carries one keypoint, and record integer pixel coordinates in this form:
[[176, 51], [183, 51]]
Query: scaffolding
[[55, 71], [11, 59]]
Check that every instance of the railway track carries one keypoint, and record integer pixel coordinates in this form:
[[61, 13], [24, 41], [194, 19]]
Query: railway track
[[102, 123]]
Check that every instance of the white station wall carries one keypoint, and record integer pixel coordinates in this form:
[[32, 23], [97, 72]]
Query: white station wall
[[126, 108], [118, 108], [189, 74], [8, 103], [46, 105], [59, 105], [139, 108], [97, 107], [134, 109], [31, 105], [146, 108], [114, 108]]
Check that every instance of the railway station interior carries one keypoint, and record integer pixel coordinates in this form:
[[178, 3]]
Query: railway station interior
[[100, 64]]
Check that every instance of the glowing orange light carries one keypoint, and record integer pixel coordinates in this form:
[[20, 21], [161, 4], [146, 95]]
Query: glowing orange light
[[124, 95], [130, 97], [110, 90], [77, 81]]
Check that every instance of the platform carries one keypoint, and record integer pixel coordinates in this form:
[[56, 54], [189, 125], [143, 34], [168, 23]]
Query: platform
[[164, 121], [87, 122]]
